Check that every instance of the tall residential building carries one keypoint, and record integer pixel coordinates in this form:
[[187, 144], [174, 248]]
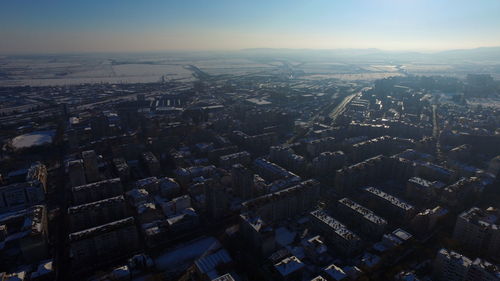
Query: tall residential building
[[479, 230], [242, 181], [327, 162], [76, 173], [151, 163], [216, 200], [38, 172], [96, 213], [96, 191], [335, 233], [280, 177], [483, 270], [371, 170], [270, 171], [229, 160], [381, 145], [259, 235], [17, 196], [425, 221], [388, 204], [285, 203], [315, 147], [102, 243], [90, 166], [422, 189], [452, 266], [456, 194], [24, 234], [122, 169], [367, 221], [287, 158]]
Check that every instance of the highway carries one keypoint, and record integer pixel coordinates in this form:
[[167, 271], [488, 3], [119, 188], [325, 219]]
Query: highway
[[335, 112], [436, 133], [339, 109]]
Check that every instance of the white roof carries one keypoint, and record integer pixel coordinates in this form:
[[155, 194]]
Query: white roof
[[289, 265]]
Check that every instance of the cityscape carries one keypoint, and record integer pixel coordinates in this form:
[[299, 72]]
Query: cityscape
[[258, 163]]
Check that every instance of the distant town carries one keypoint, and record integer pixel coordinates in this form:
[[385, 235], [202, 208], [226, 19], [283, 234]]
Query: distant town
[[272, 173]]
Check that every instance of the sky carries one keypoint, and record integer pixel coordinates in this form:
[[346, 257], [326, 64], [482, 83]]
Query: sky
[[72, 26]]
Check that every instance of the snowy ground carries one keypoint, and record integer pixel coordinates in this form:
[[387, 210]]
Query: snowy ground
[[32, 139], [144, 68], [353, 77], [484, 102]]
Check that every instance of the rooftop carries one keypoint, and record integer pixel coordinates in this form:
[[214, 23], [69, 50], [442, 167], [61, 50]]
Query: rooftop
[[335, 272], [97, 184], [235, 155], [340, 229], [87, 233], [389, 198], [365, 212], [485, 218], [459, 258], [22, 223], [420, 182], [210, 262], [289, 265], [96, 204], [225, 277]]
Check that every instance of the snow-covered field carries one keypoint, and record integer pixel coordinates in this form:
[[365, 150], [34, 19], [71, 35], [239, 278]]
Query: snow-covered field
[[64, 70], [32, 139], [484, 102], [144, 68], [353, 77]]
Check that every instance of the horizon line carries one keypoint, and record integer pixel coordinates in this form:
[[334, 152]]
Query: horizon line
[[419, 50]]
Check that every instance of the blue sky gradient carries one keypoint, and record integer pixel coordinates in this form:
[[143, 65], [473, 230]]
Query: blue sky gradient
[[151, 25]]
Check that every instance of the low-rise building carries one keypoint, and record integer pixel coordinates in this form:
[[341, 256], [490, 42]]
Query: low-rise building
[[289, 269]]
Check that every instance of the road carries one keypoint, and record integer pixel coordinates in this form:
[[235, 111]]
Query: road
[[198, 73], [339, 109], [436, 133], [335, 112]]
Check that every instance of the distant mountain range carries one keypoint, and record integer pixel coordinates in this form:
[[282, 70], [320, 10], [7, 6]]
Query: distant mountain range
[[483, 54]]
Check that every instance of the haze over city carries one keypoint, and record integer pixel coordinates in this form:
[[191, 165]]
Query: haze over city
[[287, 140]]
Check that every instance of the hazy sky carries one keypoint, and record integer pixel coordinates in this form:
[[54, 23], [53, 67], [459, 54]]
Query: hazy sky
[[40, 26]]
